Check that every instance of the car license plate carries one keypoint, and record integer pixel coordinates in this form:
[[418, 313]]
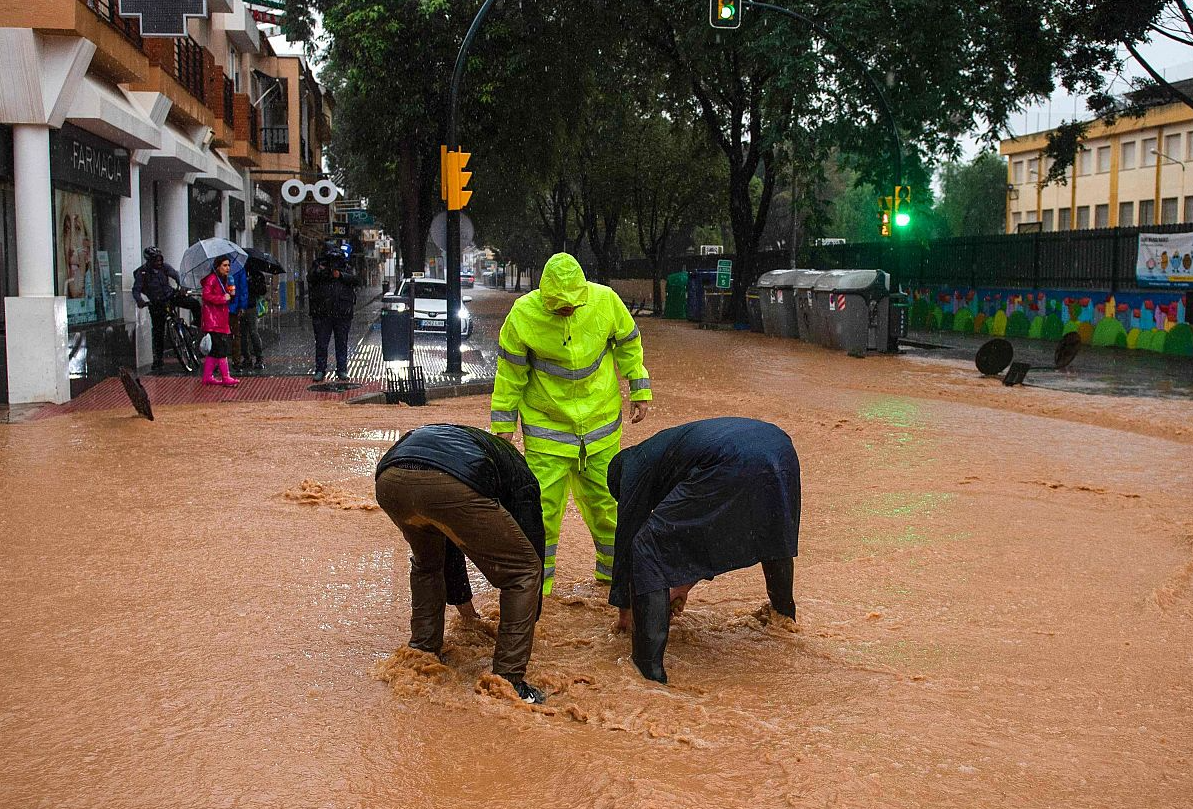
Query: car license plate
[[431, 324]]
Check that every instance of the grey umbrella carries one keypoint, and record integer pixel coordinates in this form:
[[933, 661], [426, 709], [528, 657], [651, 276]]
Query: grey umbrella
[[199, 258]]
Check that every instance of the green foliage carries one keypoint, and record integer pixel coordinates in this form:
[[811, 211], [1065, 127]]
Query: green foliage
[[973, 198], [1109, 332], [1179, 341], [1018, 324]]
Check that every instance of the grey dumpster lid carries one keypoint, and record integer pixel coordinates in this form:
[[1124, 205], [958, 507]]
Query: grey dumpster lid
[[853, 281], [778, 278], [806, 279]]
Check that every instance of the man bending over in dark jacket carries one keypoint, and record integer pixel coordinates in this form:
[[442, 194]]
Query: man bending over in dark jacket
[[693, 502], [445, 483]]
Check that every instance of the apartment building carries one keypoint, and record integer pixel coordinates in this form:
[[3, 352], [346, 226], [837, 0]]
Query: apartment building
[[111, 141], [1131, 173]]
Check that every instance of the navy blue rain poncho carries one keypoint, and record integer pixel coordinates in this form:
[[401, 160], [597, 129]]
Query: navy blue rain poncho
[[702, 499]]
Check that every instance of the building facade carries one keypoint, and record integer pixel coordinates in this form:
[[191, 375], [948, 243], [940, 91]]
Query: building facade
[[1131, 173], [110, 142]]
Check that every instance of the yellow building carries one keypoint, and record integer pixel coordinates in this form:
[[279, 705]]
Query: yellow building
[[1132, 173]]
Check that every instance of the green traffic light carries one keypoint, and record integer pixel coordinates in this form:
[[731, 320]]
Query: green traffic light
[[727, 12], [902, 219]]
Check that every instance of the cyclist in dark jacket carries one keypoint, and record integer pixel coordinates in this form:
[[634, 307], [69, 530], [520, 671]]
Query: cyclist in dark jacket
[[332, 289], [152, 288], [446, 484]]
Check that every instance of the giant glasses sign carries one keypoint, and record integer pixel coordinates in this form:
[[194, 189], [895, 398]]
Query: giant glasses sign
[[163, 18]]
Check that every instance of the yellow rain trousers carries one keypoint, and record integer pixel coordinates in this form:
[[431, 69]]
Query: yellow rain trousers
[[559, 375]]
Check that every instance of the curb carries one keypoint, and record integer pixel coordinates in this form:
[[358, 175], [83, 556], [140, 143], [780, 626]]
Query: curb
[[438, 392]]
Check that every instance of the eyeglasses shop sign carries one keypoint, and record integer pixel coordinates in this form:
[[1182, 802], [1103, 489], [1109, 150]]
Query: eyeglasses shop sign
[[80, 158]]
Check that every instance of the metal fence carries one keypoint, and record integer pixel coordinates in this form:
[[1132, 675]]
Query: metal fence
[[188, 66], [639, 268], [275, 139], [1074, 259]]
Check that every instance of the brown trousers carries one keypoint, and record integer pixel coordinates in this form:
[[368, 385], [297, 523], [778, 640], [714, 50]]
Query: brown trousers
[[431, 507]]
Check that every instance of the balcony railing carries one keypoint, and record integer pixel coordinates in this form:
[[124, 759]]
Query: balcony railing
[[109, 12], [275, 139], [254, 128], [188, 66], [229, 103]]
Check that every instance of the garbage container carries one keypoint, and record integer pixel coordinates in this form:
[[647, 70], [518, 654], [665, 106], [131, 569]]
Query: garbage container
[[804, 283], [396, 332], [777, 303], [855, 308], [900, 309], [754, 309], [697, 281], [715, 307], [676, 307]]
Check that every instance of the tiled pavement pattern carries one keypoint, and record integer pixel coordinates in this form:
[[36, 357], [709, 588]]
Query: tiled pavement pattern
[[289, 361]]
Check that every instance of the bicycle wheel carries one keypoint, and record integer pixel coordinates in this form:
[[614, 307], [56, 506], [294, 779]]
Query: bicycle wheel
[[179, 339]]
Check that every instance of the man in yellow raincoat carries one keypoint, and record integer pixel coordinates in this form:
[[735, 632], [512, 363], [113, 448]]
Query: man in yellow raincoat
[[562, 348]]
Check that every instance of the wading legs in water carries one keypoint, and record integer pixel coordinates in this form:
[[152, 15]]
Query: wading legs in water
[[780, 582], [652, 621]]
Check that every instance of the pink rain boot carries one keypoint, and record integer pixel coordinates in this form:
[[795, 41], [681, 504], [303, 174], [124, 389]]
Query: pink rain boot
[[209, 365], [228, 380]]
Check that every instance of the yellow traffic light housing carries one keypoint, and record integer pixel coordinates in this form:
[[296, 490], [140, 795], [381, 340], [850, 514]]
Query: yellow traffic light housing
[[884, 215], [453, 178], [724, 13]]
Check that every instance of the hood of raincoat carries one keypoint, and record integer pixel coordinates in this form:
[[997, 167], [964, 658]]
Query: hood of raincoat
[[563, 283]]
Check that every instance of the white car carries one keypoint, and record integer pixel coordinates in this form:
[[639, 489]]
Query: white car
[[430, 306]]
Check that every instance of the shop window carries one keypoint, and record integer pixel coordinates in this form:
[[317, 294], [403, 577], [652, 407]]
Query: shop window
[[87, 255], [1126, 214]]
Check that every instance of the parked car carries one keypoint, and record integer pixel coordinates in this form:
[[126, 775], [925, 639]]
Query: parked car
[[430, 306]]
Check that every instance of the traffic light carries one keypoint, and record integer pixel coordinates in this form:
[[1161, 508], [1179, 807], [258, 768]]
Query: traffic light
[[453, 178], [902, 206], [884, 216], [724, 13]]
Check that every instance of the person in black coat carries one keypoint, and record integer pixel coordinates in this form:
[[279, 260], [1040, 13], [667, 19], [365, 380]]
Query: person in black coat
[[449, 485], [695, 501], [156, 285], [332, 290]]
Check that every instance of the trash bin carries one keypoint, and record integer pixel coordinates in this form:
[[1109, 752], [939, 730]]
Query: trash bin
[[754, 309], [715, 307], [676, 306], [697, 281], [804, 283], [899, 305], [396, 329], [855, 308], [777, 303]]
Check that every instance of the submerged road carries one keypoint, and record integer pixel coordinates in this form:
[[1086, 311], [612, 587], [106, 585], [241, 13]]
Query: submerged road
[[994, 590]]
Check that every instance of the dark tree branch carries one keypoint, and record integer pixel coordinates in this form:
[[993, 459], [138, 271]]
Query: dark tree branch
[[1175, 93]]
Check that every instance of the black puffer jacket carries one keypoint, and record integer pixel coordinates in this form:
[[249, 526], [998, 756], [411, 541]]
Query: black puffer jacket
[[490, 466], [331, 296]]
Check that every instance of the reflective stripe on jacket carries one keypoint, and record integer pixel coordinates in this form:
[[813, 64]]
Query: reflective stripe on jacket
[[560, 374]]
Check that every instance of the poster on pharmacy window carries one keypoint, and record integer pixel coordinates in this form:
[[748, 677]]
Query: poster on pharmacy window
[[74, 237], [1165, 260]]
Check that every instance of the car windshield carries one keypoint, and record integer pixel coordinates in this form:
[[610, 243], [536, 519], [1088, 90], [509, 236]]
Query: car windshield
[[422, 290]]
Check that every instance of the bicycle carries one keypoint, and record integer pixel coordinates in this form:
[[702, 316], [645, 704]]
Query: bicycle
[[183, 338]]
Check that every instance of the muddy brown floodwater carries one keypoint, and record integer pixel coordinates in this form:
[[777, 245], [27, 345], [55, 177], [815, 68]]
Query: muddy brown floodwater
[[995, 595]]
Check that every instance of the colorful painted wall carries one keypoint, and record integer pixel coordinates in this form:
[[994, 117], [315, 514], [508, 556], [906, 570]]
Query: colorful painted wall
[[1151, 321]]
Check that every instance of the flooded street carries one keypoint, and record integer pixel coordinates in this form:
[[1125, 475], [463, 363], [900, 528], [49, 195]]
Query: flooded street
[[994, 592]]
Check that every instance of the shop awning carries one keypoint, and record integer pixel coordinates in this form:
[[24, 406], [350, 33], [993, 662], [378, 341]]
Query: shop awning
[[221, 175], [178, 155], [104, 110]]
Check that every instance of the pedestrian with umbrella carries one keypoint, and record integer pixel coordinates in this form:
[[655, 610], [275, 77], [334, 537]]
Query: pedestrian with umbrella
[[260, 265]]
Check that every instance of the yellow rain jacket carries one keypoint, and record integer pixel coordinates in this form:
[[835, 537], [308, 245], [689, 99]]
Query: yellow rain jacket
[[560, 374]]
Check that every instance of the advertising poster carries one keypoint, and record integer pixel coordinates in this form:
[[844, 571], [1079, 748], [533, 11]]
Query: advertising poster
[[1165, 260], [74, 250]]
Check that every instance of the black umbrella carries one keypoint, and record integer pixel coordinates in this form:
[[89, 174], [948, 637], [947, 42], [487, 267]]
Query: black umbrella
[[136, 393], [264, 262]]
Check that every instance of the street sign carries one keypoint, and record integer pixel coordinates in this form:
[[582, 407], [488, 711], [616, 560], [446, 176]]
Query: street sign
[[315, 214], [724, 273], [339, 229], [439, 230]]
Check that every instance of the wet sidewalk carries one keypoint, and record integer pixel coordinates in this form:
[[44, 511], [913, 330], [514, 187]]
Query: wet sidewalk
[[1095, 370]]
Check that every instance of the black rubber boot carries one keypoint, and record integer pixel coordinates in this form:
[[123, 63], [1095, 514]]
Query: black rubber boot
[[780, 583], [652, 622]]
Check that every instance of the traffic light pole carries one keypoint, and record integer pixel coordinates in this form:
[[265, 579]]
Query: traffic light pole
[[455, 366], [896, 146]]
